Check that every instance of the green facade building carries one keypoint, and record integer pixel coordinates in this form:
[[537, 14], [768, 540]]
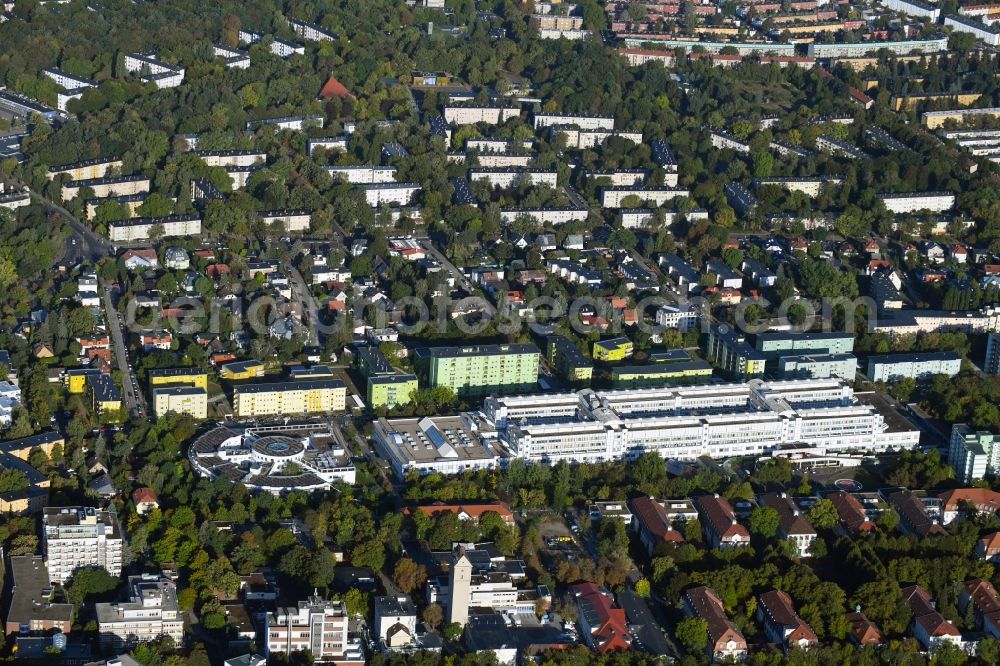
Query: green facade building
[[568, 361], [387, 386], [778, 344], [480, 369], [391, 390], [661, 374]]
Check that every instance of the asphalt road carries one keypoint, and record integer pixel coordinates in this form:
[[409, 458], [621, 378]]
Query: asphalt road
[[463, 281], [84, 243], [134, 401], [307, 305]]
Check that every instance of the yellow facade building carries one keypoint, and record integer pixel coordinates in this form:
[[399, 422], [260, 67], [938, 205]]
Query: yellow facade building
[[242, 370], [76, 379], [190, 400], [290, 398], [616, 349], [174, 376]]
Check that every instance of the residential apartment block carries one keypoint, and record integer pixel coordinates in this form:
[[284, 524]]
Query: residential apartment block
[[911, 202], [471, 115], [78, 536], [150, 613], [973, 454], [567, 359], [380, 194], [317, 625], [509, 178], [573, 120], [307, 396], [818, 366], [189, 400], [140, 229], [730, 351], [922, 366], [153, 70], [103, 188], [480, 369]]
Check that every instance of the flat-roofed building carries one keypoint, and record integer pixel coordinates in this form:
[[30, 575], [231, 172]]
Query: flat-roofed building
[[480, 369], [317, 625], [189, 400], [79, 536], [567, 359], [920, 366], [440, 444], [307, 396], [150, 614], [31, 609], [818, 366], [855, 49]]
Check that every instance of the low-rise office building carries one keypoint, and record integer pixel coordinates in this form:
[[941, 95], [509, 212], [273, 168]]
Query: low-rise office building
[[440, 444]]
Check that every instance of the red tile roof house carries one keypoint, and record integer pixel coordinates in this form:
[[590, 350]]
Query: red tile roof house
[[863, 631], [792, 527], [985, 603], [988, 548], [719, 522], [466, 511], [853, 519], [913, 518], [145, 500], [929, 626], [782, 624], [603, 626], [953, 502], [724, 640], [652, 523]]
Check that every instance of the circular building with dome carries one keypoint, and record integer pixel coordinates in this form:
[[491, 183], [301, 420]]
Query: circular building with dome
[[276, 459]]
